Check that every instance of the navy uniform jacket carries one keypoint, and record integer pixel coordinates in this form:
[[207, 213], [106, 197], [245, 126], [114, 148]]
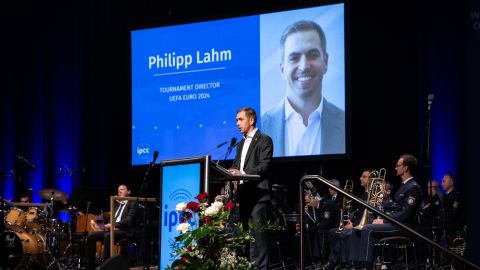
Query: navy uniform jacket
[[430, 214], [330, 214], [406, 202], [326, 216], [453, 208]]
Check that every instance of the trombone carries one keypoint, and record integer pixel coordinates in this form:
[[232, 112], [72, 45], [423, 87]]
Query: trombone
[[376, 189], [346, 205]]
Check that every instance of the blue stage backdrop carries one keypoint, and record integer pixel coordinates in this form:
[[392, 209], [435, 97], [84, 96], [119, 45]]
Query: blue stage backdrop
[[42, 102]]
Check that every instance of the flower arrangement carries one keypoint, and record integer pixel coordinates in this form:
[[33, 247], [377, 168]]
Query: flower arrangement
[[213, 244]]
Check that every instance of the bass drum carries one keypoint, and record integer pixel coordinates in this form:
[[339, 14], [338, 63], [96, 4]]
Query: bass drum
[[24, 250]]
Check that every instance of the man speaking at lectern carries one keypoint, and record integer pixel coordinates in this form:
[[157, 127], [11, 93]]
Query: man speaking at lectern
[[254, 154]]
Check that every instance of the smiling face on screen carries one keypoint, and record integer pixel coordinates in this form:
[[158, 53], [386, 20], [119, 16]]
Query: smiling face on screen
[[303, 65]]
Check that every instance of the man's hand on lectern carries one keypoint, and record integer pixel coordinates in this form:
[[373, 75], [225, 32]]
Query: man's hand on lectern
[[234, 171]]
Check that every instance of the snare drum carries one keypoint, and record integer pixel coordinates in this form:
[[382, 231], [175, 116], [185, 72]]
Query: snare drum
[[23, 247], [35, 219], [15, 219]]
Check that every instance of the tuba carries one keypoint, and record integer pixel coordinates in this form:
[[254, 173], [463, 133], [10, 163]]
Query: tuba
[[375, 189], [459, 244], [346, 205]]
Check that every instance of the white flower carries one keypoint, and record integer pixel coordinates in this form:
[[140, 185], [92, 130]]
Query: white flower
[[218, 205], [183, 227], [211, 211], [180, 207]]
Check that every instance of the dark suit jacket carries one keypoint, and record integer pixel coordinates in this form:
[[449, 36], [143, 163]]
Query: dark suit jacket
[[257, 161], [129, 217], [333, 128]]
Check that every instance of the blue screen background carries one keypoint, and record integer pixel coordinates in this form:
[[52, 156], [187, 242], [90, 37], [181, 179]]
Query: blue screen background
[[192, 122], [185, 128]]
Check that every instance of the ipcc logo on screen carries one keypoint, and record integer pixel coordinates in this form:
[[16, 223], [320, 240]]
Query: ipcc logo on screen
[[143, 150]]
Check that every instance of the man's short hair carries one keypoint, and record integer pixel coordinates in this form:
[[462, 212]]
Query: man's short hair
[[370, 170], [126, 186], [250, 113], [302, 26], [411, 162], [388, 186], [449, 174], [433, 183], [335, 182]]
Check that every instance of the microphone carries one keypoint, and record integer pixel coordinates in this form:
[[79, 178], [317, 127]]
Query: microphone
[[216, 147], [28, 163], [222, 144], [155, 156], [59, 174], [233, 143], [430, 98]]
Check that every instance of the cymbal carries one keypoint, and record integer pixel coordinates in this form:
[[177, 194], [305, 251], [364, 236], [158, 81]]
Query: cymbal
[[49, 193], [6, 202]]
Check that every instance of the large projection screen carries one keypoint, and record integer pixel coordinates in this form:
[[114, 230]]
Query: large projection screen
[[189, 80]]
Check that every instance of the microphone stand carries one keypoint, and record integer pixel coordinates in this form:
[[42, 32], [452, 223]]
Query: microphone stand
[[85, 234], [144, 191], [428, 153]]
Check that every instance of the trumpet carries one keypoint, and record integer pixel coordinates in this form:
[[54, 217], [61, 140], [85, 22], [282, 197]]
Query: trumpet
[[376, 189], [346, 205]]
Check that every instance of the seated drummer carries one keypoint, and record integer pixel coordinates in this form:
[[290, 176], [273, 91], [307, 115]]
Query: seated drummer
[[25, 198], [125, 214]]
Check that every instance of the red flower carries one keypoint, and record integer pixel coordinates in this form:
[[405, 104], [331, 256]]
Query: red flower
[[195, 207], [187, 215], [183, 259], [207, 220], [202, 197], [229, 206]]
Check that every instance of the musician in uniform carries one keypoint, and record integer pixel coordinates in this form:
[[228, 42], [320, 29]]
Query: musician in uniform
[[387, 203], [338, 250], [453, 206], [430, 218], [125, 221], [404, 207], [320, 215]]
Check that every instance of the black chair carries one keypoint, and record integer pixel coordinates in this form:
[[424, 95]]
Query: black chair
[[400, 248]]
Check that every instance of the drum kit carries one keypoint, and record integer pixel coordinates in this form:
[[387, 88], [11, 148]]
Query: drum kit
[[36, 238]]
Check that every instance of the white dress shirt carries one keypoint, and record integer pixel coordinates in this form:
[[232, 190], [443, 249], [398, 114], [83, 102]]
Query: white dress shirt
[[302, 140], [119, 212], [246, 145]]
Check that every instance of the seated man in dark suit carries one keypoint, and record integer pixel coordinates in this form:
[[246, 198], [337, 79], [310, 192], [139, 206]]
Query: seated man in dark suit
[[125, 215]]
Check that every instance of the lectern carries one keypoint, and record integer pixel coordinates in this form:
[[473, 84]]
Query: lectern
[[182, 180]]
